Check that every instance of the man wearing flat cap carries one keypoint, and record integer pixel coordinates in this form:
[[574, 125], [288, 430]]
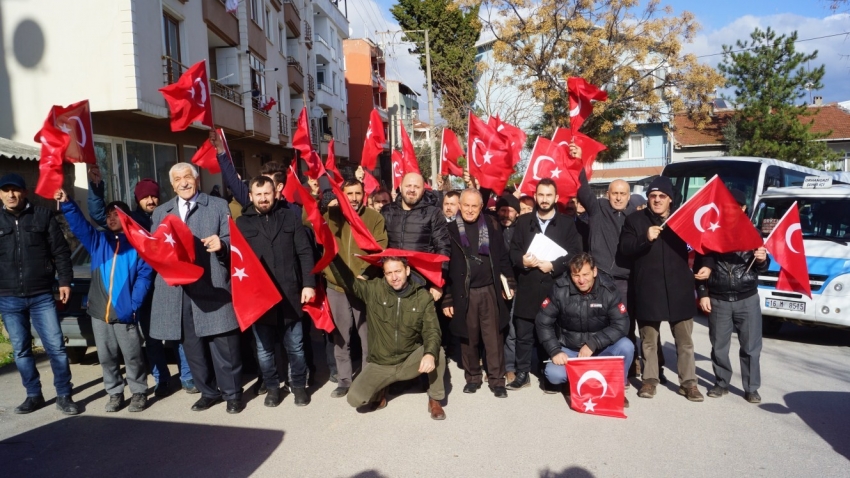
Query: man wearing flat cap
[[663, 288]]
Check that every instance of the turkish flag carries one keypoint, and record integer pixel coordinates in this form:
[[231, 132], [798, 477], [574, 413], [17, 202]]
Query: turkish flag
[[488, 155], [712, 221], [581, 94], [206, 156], [320, 310], [450, 151], [597, 385], [408, 155], [301, 139], [330, 165], [75, 120], [785, 242], [364, 238], [189, 98], [370, 184], [54, 143], [253, 291], [295, 192], [516, 137], [397, 162], [170, 250], [426, 263], [269, 105], [549, 160], [373, 145], [590, 148]]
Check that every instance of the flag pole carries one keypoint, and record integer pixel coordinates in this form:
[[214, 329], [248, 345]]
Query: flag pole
[[689, 200], [751, 264]]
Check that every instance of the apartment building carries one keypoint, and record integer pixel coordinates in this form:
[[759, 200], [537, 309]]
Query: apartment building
[[402, 104], [118, 53], [365, 77]]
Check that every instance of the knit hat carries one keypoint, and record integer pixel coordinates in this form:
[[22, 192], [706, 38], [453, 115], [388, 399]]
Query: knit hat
[[661, 184], [508, 200], [146, 187]]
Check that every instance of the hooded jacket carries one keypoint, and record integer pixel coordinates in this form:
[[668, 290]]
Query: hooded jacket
[[120, 279]]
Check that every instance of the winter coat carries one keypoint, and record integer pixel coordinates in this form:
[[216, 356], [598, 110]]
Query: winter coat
[[731, 278], [663, 283], [120, 279], [397, 324], [32, 251], [422, 228], [285, 253], [212, 304], [533, 284], [341, 229], [605, 225], [457, 280], [571, 319]]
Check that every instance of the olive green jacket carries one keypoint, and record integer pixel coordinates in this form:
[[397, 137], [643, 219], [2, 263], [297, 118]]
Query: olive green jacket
[[348, 247], [397, 324]]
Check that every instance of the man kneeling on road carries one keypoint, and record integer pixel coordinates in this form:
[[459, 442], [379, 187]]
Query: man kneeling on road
[[591, 320], [403, 335]]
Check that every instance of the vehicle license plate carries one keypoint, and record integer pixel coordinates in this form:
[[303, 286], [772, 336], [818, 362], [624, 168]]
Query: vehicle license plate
[[785, 305]]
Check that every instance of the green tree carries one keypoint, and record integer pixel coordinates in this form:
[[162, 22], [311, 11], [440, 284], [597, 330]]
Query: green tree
[[452, 33], [769, 82]]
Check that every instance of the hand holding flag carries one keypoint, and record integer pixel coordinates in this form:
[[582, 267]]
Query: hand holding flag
[[785, 243], [170, 250]]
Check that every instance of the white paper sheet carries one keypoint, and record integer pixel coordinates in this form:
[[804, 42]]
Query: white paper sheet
[[545, 249]]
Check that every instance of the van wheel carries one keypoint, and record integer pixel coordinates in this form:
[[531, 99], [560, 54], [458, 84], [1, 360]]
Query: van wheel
[[76, 354], [770, 326]]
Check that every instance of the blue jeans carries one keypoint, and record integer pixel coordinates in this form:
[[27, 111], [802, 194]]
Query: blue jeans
[[557, 374], [293, 343], [155, 352], [17, 313]]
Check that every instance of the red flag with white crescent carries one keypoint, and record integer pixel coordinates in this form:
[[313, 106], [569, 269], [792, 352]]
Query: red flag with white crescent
[[785, 243], [549, 160], [295, 192], [320, 310], [330, 165], [54, 143], [362, 235], [75, 120], [397, 167], [488, 155], [516, 137], [169, 249], [408, 154], [426, 263], [450, 152], [253, 291], [373, 145], [597, 385], [189, 98], [581, 95], [590, 148]]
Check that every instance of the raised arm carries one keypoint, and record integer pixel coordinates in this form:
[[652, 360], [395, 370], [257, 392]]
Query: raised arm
[[585, 196]]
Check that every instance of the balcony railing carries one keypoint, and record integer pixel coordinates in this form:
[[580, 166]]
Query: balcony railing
[[295, 63], [308, 34], [321, 40], [326, 88], [257, 104], [172, 69], [225, 92], [314, 130], [283, 124], [311, 84]]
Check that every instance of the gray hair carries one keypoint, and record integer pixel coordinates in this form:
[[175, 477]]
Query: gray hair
[[475, 192], [180, 167]]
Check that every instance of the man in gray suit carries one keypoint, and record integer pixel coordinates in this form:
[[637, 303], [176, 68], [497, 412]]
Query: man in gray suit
[[200, 314]]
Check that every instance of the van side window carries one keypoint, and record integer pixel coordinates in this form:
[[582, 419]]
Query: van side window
[[772, 178], [792, 178]]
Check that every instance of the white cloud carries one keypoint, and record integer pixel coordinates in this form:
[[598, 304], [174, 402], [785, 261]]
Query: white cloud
[[834, 52], [365, 17]]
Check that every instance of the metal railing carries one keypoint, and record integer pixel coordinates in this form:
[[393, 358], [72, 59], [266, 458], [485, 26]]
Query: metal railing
[[308, 34], [326, 88], [283, 124], [311, 84], [225, 92], [172, 69], [257, 105], [293, 62], [292, 3]]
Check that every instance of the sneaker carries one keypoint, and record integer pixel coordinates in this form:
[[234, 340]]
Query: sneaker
[[30, 405], [339, 392], [647, 390], [691, 393], [752, 397], [138, 402], [302, 399], [114, 403], [717, 391], [189, 387], [67, 405]]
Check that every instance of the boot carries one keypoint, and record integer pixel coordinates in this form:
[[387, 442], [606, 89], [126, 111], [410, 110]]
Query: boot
[[436, 410], [522, 380]]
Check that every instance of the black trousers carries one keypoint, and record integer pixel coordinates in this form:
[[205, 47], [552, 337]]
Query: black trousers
[[224, 378], [526, 339]]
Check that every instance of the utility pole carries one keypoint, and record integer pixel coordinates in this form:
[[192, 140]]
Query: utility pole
[[434, 170]]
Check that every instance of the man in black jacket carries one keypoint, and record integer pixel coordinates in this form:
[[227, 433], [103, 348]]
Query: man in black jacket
[[33, 249], [415, 222], [534, 276], [507, 207], [663, 288], [474, 293], [280, 241], [583, 316], [730, 298]]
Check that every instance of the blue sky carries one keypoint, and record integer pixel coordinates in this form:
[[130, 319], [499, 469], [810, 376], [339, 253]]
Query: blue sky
[[722, 21]]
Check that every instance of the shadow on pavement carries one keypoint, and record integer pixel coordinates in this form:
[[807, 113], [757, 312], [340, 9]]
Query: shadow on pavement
[[826, 413], [571, 472], [828, 336], [90, 446]]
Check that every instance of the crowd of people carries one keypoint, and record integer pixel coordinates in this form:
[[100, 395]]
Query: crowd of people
[[504, 314]]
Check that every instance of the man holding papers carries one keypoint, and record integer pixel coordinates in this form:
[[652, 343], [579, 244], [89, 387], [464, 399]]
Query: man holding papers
[[537, 268]]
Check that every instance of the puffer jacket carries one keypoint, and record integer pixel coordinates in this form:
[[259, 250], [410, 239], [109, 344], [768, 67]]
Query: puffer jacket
[[32, 251], [570, 319], [729, 280], [422, 228], [397, 324]]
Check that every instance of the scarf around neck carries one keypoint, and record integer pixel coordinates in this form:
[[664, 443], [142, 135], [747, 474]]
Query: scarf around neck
[[483, 234]]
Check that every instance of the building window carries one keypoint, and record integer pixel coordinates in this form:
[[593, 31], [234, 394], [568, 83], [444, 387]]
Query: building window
[[281, 39], [254, 11], [171, 34], [636, 146], [333, 83], [258, 79], [268, 25]]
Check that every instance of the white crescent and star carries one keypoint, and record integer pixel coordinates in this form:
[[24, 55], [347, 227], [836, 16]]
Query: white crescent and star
[[788, 233], [238, 272], [82, 131], [203, 92], [540, 159], [701, 212], [474, 153], [592, 375], [396, 173], [575, 111], [169, 239]]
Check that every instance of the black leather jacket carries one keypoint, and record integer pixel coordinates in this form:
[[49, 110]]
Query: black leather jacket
[[570, 319], [729, 279], [422, 228], [32, 250]]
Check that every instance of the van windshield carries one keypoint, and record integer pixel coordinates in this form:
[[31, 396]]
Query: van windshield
[[688, 177], [820, 218]]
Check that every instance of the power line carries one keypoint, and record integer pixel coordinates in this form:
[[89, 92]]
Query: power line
[[753, 48]]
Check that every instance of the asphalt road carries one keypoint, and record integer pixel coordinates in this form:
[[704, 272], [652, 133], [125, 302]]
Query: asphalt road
[[800, 429]]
